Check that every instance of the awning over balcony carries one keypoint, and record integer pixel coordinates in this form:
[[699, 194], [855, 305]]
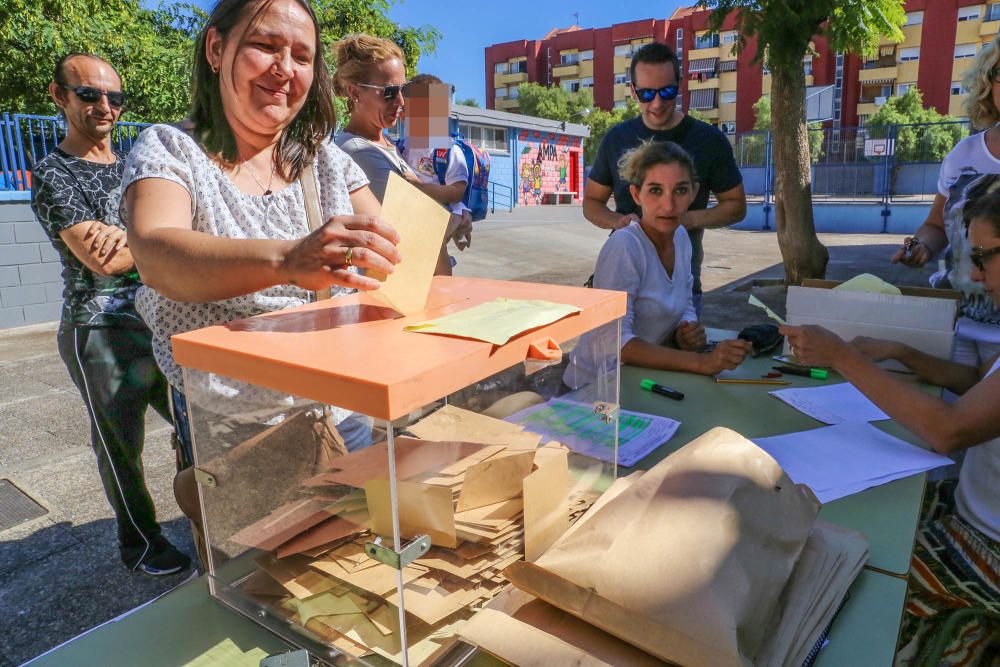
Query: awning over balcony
[[887, 50], [703, 99], [879, 82], [728, 66], [702, 66]]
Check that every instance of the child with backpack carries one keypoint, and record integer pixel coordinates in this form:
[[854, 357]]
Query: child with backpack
[[460, 170]]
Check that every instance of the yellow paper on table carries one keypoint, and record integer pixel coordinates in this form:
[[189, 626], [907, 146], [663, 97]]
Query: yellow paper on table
[[866, 282], [754, 301], [421, 223], [497, 321], [228, 654]]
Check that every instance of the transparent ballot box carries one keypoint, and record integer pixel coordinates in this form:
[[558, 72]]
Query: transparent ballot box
[[363, 486]]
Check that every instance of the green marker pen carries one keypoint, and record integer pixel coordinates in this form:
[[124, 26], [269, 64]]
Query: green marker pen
[[649, 385]]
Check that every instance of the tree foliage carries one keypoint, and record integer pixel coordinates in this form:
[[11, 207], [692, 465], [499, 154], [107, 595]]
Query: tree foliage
[[920, 135], [468, 102], [753, 147], [558, 104], [784, 30], [151, 48]]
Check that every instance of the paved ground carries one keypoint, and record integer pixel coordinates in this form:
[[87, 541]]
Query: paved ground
[[59, 574]]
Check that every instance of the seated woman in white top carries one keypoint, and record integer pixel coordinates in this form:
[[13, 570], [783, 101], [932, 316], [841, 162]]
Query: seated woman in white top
[[651, 261], [956, 560]]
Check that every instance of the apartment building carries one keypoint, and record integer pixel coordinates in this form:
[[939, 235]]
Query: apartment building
[[940, 40]]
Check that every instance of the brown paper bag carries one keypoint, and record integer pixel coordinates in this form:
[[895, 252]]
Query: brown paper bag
[[694, 554]]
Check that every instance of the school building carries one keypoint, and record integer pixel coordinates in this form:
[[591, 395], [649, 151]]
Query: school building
[[533, 161], [940, 41]]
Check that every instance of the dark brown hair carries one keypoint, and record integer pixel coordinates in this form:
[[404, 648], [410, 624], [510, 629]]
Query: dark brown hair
[[987, 209], [299, 141], [655, 53]]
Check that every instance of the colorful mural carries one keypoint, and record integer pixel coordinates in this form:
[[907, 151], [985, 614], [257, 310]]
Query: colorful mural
[[546, 165]]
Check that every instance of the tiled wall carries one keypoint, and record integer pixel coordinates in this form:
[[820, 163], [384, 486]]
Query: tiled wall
[[30, 281]]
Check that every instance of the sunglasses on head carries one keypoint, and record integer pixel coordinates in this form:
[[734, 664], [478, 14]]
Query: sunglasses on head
[[980, 256], [389, 93], [91, 95], [646, 95]]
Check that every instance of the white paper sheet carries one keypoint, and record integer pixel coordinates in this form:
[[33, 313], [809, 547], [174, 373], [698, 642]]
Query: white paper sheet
[[837, 461], [575, 425], [832, 403]]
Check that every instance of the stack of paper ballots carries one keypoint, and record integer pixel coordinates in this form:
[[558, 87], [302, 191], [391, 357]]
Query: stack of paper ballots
[[712, 558], [485, 504]]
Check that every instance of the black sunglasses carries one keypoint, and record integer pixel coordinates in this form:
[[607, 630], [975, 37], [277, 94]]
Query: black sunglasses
[[646, 95], [91, 95], [388, 92], [978, 257]]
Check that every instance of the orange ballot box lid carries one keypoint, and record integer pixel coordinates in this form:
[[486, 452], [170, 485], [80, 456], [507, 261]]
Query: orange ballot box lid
[[355, 353]]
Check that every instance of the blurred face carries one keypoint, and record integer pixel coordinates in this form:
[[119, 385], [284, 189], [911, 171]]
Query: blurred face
[[265, 69], [96, 119], [370, 102], [984, 238], [658, 113], [665, 196]]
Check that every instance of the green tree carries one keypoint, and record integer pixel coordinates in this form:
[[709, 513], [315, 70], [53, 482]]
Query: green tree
[[600, 121], [468, 101], [921, 135], [151, 48], [784, 30], [752, 147], [555, 103]]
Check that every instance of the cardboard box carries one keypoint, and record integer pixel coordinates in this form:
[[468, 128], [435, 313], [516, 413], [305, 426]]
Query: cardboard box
[[923, 318]]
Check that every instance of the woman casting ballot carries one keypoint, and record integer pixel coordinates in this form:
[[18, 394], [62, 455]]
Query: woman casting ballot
[[956, 562], [651, 261]]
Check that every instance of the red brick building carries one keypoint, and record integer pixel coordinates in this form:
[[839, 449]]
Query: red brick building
[[941, 38]]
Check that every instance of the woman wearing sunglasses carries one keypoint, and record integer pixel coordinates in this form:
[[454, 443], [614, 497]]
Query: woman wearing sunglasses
[[370, 75], [956, 559], [971, 169]]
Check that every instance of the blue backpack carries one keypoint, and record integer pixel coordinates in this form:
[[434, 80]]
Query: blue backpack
[[477, 191]]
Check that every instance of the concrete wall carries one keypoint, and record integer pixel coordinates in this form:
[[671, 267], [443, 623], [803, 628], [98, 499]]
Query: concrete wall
[[847, 218], [30, 270]]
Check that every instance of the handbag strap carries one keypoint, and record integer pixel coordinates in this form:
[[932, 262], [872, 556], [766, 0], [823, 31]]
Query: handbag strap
[[314, 214]]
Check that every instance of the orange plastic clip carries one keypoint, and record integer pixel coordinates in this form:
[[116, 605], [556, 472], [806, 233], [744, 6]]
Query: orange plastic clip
[[542, 353]]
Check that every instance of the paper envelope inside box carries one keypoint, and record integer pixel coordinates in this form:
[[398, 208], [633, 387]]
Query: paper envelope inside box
[[922, 318]]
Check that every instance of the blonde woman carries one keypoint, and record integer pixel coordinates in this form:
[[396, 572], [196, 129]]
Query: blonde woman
[[969, 171]]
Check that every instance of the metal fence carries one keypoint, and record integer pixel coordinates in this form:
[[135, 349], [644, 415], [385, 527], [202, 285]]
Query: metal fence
[[25, 139], [883, 164]]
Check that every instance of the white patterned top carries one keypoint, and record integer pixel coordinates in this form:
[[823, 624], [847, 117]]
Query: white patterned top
[[219, 208]]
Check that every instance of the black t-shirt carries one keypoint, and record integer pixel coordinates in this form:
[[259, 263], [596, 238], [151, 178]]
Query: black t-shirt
[[65, 191], [713, 160]]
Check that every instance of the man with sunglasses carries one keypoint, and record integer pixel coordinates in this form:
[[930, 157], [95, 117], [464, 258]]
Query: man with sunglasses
[[76, 190], [655, 75]]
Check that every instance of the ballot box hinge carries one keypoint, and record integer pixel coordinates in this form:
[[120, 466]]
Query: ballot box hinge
[[410, 551], [606, 411]]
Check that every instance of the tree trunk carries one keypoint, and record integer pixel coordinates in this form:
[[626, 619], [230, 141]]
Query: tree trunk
[[802, 253]]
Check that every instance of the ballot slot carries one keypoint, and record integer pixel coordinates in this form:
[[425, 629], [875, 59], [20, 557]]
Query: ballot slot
[[376, 536]]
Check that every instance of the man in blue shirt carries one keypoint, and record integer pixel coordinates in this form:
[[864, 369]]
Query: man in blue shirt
[[655, 75]]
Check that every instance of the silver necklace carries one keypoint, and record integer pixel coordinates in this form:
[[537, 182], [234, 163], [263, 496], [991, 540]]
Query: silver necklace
[[253, 175]]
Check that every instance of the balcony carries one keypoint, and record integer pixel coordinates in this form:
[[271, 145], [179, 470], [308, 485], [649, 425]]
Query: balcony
[[700, 84], [874, 74], [561, 71], [987, 28], [512, 77], [711, 52], [506, 104], [621, 91], [622, 63], [967, 32], [867, 108], [911, 35]]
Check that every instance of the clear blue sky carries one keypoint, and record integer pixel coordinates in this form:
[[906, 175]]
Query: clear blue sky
[[468, 27]]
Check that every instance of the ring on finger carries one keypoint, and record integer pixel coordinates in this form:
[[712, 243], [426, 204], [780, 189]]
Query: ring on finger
[[348, 256]]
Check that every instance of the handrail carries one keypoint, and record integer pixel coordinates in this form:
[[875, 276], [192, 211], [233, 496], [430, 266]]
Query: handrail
[[509, 195]]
